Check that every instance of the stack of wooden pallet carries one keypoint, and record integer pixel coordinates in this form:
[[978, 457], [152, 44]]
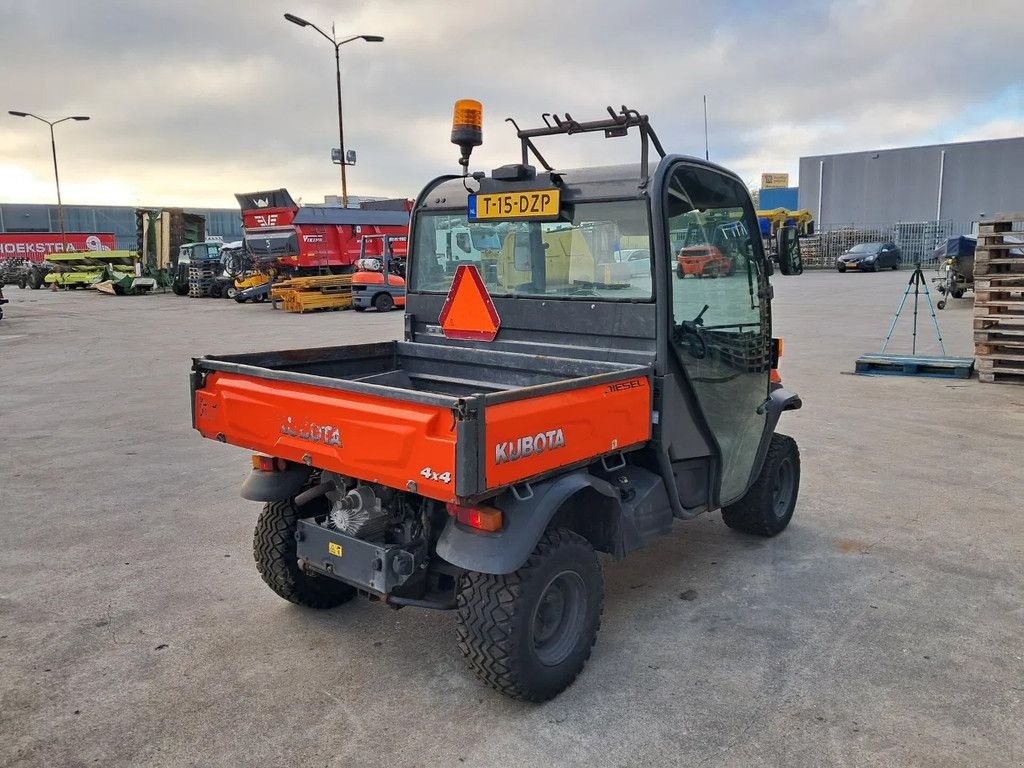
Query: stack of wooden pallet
[[304, 294], [999, 300]]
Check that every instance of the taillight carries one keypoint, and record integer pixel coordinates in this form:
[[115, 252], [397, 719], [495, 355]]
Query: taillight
[[481, 518], [266, 463]]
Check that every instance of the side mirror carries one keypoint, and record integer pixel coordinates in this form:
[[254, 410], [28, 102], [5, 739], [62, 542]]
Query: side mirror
[[790, 260]]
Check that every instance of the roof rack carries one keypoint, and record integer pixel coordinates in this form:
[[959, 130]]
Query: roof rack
[[617, 125]]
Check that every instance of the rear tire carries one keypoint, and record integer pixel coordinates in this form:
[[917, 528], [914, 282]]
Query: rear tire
[[528, 634], [274, 549], [180, 289], [22, 282], [768, 505]]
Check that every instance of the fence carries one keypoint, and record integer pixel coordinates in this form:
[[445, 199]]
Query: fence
[[917, 240]]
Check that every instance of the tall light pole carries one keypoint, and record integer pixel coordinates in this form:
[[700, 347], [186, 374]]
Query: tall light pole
[[56, 175], [333, 40]]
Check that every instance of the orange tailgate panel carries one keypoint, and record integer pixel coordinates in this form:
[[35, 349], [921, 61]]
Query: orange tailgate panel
[[568, 427], [374, 439]]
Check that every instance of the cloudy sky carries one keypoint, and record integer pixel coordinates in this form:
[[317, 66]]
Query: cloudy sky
[[194, 100]]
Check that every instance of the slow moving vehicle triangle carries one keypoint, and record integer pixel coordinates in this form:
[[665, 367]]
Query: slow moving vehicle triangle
[[468, 312]]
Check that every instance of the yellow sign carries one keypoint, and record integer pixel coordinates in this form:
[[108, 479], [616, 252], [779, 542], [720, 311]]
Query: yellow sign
[[536, 204], [774, 180], [334, 549]]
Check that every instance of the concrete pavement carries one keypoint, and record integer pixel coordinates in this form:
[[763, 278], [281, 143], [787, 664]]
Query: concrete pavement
[[882, 628]]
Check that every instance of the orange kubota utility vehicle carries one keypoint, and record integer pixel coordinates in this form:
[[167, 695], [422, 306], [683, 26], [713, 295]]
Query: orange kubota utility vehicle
[[537, 411]]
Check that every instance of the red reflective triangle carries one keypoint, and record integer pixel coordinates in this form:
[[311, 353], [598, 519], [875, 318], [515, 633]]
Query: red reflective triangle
[[468, 312]]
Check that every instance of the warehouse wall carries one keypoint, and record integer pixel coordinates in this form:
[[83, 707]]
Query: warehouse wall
[[900, 185], [118, 220]]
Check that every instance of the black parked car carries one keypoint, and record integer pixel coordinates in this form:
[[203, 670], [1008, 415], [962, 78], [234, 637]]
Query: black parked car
[[870, 257]]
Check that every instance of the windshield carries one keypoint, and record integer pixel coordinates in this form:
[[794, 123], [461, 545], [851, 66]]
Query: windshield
[[581, 258], [866, 248]]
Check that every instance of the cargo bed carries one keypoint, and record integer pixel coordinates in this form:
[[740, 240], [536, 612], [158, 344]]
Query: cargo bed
[[448, 422]]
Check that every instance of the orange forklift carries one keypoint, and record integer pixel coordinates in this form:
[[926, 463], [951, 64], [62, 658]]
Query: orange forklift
[[377, 282], [522, 426]]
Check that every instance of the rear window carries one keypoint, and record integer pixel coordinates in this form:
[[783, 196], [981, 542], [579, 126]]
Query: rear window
[[586, 257]]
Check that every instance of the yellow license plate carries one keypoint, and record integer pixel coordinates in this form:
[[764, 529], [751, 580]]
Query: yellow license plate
[[533, 204], [334, 549]]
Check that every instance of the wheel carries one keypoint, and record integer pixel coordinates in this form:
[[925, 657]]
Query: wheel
[[260, 299], [957, 294], [180, 289], [384, 302], [767, 507], [711, 272], [940, 304], [528, 634], [840, 268], [273, 547], [680, 273], [22, 282], [895, 266], [35, 281], [215, 291], [232, 292]]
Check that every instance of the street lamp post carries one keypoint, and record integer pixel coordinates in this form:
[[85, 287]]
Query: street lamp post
[[56, 175], [332, 38]]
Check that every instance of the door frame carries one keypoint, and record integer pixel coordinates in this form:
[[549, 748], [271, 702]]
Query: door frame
[[667, 363]]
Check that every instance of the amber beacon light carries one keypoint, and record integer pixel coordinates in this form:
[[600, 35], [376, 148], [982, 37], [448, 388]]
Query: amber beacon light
[[467, 128]]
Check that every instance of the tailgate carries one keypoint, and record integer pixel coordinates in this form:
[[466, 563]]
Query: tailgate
[[374, 438], [531, 436]]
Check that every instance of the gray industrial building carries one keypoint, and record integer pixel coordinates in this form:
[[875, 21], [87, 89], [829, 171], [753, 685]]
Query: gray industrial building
[[115, 219], [958, 183]]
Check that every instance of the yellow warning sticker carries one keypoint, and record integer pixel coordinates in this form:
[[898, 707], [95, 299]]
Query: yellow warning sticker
[[334, 549]]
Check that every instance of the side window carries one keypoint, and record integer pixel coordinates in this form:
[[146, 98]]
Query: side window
[[719, 313]]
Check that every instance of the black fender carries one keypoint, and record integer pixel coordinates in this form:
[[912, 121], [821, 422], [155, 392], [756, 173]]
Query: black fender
[[275, 486], [524, 521], [779, 401]]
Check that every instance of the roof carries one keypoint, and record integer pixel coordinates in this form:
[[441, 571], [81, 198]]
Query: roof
[[594, 183], [353, 216]]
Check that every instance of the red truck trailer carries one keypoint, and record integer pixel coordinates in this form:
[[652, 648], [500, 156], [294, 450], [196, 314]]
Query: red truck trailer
[[316, 239]]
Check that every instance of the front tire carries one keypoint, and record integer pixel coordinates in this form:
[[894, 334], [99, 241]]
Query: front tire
[[840, 268], [22, 282], [383, 302], [768, 505], [529, 633], [274, 549]]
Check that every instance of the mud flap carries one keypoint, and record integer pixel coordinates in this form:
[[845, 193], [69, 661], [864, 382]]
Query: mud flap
[[275, 486]]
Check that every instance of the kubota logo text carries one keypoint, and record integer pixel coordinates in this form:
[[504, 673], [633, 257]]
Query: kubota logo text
[[528, 445]]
